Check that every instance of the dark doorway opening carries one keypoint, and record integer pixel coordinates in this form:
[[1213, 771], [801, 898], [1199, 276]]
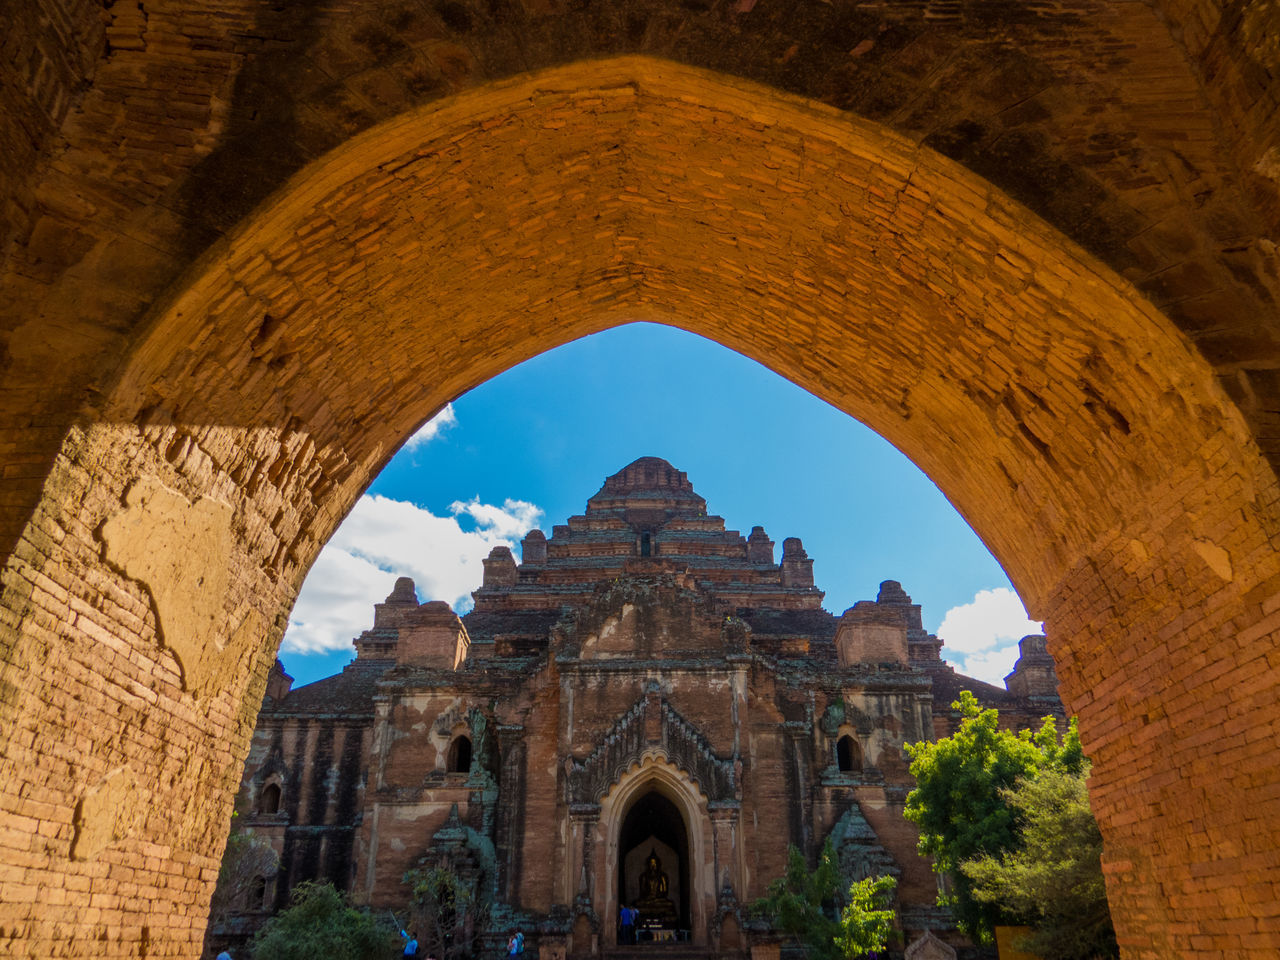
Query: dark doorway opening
[[459, 760], [849, 755], [654, 829]]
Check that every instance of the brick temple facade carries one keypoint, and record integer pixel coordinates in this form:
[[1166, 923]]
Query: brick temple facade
[[643, 683]]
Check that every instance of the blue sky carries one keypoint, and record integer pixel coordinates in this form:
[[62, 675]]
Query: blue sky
[[530, 446]]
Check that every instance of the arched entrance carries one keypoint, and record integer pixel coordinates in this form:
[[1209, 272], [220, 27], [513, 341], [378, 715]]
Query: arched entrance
[[656, 803], [1074, 427], [653, 862]]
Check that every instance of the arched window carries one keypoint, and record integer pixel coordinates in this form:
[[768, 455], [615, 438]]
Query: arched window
[[459, 755], [269, 802], [258, 893], [646, 544], [848, 755]]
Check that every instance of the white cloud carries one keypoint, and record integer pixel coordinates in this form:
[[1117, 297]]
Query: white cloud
[[511, 521], [981, 637], [441, 422], [992, 619], [991, 667], [383, 539]]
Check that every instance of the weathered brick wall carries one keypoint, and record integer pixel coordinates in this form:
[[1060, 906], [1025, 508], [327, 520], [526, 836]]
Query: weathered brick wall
[[322, 790], [1179, 709], [537, 855], [48, 55], [1076, 429], [1234, 49], [120, 755]]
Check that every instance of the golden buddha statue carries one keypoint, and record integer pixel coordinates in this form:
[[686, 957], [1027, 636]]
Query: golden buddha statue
[[655, 903]]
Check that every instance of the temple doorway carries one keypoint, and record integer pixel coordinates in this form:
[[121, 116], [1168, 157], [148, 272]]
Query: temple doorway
[[653, 867]]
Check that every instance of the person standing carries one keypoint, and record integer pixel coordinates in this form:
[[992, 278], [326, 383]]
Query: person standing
[[410, 943]]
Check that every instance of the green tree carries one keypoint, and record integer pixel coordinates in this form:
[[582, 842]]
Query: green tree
[[1054, 878], [866, 922], [446, 912], [320, 923], [804, 904], [960, 808]]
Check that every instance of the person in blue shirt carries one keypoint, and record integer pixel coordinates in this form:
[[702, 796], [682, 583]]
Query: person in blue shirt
[[410, 944], [515, 946]]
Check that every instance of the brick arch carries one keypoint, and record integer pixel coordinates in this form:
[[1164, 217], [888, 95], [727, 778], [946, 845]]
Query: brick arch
[[1145, 132], [1071, 423]]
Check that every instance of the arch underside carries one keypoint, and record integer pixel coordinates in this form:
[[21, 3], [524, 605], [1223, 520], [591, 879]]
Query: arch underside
[[1077, 430], [1146, 133]]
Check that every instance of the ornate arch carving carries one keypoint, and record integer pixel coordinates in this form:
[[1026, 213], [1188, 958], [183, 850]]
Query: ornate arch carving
[[652, 727]]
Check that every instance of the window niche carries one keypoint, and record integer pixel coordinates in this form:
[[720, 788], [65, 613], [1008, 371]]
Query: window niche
[[269, 799], [848, 755], [459, 758]]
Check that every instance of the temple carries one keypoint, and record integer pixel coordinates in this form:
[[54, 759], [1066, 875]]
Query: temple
[[645, 711]]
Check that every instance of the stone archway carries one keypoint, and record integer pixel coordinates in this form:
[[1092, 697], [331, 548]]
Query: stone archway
[[656, 776], [1070, 422]]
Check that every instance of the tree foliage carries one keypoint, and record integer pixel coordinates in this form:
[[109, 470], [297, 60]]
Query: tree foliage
[[320, 923], [805, 905], [446, 912], [961, 809], [866, 922], [1054, 878], [802, 903]]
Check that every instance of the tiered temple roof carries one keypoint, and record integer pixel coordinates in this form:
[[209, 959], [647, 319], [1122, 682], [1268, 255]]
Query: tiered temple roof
[[646, 523], [646, 519]]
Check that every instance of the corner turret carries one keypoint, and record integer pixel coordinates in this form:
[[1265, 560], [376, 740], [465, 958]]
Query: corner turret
[[759, 547], [433, 636], [1034, 675], [279, 683], [388, 616], [870, 632], [499, 569], [533, 549], [797, 568], [886, 630], [922, 647]]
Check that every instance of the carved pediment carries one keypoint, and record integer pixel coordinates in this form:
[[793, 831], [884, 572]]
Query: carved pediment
[[446, 722], [273, 766], [928, 947], [650, 617], [858, 849], [652, 726]]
